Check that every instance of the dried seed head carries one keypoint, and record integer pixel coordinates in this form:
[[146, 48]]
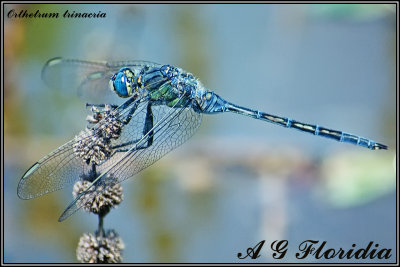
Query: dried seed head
[[96, 249], [92, 147], [99, 199], [111, 127]]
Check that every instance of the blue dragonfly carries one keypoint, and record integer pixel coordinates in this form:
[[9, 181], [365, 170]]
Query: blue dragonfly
[[161, 107]]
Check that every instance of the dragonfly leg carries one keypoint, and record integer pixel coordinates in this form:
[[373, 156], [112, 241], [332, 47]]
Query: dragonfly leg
[[97, 114], [100, 105], [130, 114], [107, 108], [147, 129], [121, 150], [126, 144], [148, 125], [147, 132]]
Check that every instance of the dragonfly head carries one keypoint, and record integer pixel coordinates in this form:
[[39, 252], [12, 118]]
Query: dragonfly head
[[123, 84]]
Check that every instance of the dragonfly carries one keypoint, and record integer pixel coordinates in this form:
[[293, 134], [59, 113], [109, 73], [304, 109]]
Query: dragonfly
[[161, 106]]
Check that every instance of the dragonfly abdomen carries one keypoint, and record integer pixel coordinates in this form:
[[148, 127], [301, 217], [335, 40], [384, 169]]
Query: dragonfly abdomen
[[216, 104]]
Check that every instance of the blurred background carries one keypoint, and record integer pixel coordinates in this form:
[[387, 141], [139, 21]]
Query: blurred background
[[237, 181]]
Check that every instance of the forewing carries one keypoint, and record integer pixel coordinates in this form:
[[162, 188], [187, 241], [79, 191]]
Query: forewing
[[116, 65], [89, 79]]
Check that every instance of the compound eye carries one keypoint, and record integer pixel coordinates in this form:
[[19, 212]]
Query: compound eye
[[122, 82], [119, 84]]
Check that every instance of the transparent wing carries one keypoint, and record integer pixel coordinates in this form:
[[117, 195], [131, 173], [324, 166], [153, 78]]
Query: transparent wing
[[51, 173], [89, 78], [116, 65], [61, 167], [172, 127]]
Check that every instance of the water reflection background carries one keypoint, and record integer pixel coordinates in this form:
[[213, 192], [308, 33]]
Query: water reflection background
[[237, 181]]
